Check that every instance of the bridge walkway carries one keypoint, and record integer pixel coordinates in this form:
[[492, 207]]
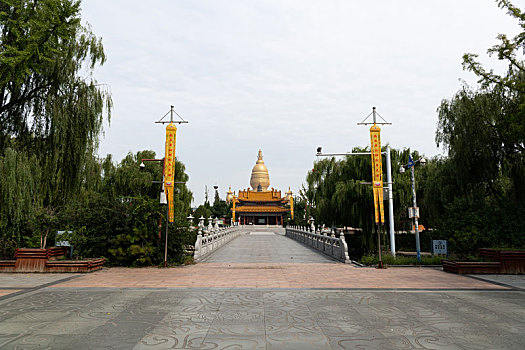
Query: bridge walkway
[[266, 246]]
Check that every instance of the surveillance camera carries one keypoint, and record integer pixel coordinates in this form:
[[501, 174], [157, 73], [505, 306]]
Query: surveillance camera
[[142, 166], [319, 149], [423, 161]]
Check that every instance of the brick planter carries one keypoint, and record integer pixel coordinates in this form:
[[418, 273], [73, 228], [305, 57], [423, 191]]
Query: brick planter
[[503, 262], [512, 261], [44, 260], [471, 267]]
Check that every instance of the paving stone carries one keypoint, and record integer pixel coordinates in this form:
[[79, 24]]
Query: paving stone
[[229, 342]]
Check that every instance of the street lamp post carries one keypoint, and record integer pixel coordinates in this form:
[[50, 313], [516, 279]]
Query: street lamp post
[[414, 211], [162, 201]]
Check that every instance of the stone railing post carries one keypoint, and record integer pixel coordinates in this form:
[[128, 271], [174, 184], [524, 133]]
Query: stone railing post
[[344, 248], [201, 223], [198, 244], [210, 227]]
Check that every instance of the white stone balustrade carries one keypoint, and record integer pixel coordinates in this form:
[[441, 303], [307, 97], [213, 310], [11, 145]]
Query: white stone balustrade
[[212, 240], [329, 244]]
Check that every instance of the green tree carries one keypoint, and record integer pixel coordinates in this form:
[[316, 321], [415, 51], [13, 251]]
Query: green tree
[[337, 196], [20, 177], [508, 92], [479, 188], [48, 107], [201, 211], [119, 216], [51, 107], [508, 50], [220, 208]]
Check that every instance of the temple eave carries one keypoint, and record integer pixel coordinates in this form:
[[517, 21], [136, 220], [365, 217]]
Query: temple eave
[[255, 209]]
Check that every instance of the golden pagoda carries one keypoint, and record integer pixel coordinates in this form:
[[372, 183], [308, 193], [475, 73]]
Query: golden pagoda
[[260, 206], [260, 179]]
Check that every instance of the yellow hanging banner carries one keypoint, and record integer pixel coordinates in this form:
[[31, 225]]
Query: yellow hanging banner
[[171, 207], [377, 173], [233, 208], [291, 206], [169, 168]]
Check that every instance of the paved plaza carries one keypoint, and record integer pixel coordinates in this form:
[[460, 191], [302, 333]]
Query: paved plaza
[[262, 291]]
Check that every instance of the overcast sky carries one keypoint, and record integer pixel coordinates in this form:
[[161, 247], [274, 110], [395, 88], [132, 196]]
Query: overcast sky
[[284, 76]]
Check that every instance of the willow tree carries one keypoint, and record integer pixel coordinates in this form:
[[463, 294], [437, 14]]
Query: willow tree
[[51, 107], [483, 130], [47, 105], [337, 190]]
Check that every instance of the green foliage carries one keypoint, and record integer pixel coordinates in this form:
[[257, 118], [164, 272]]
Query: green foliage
[[220, 208], [20, 178], [138, 246], [201, 211], [43, 222], [95, 220], [51, 111], [474, 196], [337, 195], [47, 107], [401, 260], [124, 221], [508, 50], [299, 206], [479, 188]]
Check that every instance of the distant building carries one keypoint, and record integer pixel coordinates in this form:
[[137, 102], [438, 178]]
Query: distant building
[[260, 206]]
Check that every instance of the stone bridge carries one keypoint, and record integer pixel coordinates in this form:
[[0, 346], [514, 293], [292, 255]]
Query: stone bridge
[[265, 245]]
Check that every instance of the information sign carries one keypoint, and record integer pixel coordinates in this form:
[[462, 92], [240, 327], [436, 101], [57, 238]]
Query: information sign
[[439, 247]]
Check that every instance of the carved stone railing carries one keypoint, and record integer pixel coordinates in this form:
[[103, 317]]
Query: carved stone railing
[[325, 242], [209, 241]]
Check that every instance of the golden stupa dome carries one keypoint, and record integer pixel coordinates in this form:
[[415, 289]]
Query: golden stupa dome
[[289, 194], [229, 196], [260, 179]]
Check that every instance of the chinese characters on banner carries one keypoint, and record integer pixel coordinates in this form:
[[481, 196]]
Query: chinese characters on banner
[[169, 168], [377, 173]]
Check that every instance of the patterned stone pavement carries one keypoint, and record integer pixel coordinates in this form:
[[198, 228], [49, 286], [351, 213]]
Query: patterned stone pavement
[[262, 319], [236, 303]]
